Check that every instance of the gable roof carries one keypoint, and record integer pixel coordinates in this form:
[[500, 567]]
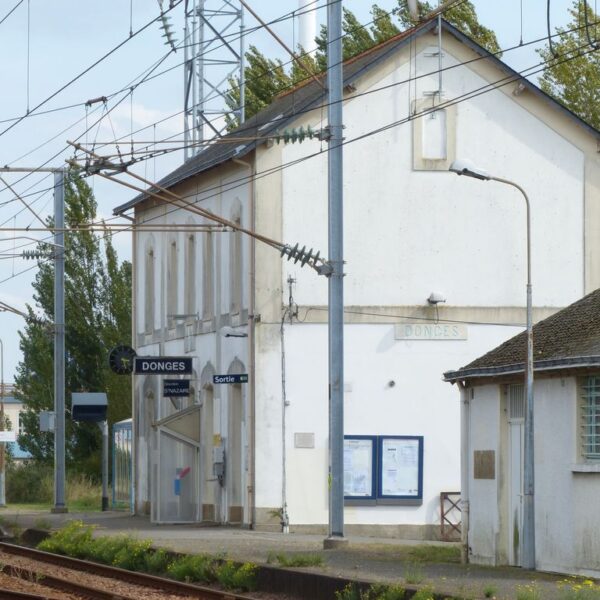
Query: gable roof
[[568, 339], [287, 106]]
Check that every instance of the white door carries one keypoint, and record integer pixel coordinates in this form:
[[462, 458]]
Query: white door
[[516, 414]]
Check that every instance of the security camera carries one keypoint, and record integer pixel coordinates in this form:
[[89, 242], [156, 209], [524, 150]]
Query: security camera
[[436, 298]]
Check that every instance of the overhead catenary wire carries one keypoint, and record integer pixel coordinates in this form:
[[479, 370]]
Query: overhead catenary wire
[[468, 95], [11, 11], [438, 107], [88, 69]]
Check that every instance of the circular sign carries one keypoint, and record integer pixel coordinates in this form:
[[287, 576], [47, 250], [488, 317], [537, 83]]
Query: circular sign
[[121, 358]]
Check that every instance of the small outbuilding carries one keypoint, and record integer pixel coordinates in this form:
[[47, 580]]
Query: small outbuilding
[[566, 445]]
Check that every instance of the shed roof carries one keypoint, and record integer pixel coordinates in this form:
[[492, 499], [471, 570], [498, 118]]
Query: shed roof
[[289, 105], [568, 339]]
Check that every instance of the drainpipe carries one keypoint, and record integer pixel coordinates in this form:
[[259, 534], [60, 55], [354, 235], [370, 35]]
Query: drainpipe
[[251, 346], [464, 469], [134, 404]]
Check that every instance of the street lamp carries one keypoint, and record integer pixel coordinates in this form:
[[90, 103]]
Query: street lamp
[[467, 168]]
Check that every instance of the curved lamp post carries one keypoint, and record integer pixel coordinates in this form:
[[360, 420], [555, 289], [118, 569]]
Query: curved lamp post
[[467, 168]]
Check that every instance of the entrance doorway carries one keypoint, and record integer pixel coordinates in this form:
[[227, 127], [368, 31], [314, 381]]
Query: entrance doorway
[[234, 460], [516, 422]]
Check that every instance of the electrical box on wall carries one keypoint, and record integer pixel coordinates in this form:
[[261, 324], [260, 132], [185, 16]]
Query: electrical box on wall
[[47, 420], [219, 462]]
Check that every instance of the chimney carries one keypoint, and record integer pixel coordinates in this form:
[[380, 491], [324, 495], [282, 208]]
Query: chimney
[[307, 25]]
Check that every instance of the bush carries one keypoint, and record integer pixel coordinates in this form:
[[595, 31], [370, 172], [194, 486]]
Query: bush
[[232, 577], [33, 483], [193, 567], [29, 483], [376, 591], [74, 539]]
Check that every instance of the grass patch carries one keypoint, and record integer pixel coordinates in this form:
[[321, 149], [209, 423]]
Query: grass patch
[[489, 591], [374, 592], [295, 560], [425, 593], [32, 486], [413, 574], [575, 588], [76, 539], [529, 591], [435, 554]]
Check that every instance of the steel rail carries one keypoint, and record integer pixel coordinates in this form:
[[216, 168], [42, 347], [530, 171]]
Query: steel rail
[[133, 577], [63, 585], [14, 595]]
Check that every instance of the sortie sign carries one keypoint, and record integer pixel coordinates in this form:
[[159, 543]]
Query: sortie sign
[[239, 378], [163, 365]]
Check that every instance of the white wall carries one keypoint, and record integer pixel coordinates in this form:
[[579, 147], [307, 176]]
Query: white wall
[[419, 403], [483, 493], [408, 232]]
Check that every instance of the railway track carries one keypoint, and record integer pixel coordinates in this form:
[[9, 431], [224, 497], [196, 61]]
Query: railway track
[[82, 590]]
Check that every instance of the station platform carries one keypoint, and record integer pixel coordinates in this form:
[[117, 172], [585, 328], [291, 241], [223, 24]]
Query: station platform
[[383, 560]]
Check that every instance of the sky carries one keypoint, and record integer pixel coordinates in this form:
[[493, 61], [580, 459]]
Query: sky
[[44, 45]]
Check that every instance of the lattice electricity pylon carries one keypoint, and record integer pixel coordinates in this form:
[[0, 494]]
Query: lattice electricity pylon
[[214, 53]]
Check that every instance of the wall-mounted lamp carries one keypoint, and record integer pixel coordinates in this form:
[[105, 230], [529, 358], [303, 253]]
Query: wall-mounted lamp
[[436, 298], [231, 332]]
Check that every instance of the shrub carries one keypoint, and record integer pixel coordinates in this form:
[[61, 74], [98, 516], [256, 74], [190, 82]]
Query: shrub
[[376, 591], [193, 567], [29, 483], [157, 562], [232, 577], [73, 539], [425, 593]]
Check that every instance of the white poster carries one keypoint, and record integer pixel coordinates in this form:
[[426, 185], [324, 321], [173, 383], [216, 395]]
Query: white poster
[[358, 468], [399, 467]]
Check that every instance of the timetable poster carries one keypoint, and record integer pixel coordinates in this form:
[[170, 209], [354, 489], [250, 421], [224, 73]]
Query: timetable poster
[[400, 467], [358, 468]]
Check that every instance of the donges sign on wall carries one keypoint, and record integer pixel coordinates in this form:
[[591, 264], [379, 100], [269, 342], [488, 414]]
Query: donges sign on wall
[[163, 365], [431, 331]]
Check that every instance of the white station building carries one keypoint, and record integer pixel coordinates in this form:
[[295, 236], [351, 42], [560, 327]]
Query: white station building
[[255, 452]]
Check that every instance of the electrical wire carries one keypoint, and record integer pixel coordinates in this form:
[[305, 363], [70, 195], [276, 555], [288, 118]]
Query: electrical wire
[[11, 11], [87, 69], [438, 107]]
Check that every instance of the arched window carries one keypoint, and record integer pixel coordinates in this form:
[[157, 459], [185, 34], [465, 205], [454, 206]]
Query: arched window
[[207, 276], [235, 262], [172, 282], [190, 275], [149, 291]]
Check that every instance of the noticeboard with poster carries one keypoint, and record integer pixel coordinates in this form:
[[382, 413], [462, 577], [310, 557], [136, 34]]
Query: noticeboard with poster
[[401, 467], [383, 469], [359, 467]]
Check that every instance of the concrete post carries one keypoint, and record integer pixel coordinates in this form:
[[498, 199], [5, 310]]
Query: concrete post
[[336, 278], [59, 342]]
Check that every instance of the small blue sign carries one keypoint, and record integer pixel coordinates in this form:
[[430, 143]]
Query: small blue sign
[[238, 378]]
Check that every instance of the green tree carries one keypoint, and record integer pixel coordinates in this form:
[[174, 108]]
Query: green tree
[[266, 78], [97, 317], [463, 17], [573, 76]]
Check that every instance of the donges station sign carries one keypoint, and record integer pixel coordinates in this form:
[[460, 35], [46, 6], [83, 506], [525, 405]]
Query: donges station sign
[[163, 365]]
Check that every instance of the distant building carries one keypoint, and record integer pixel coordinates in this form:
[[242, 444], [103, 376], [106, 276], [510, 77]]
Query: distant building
[[256, 453], [13, 409], [566, 444]]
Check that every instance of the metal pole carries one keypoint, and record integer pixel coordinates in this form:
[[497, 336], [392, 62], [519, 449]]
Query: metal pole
[[59, 342], [104, 428], [242, 110], [336, 277], [528, 546], [2, 444]]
